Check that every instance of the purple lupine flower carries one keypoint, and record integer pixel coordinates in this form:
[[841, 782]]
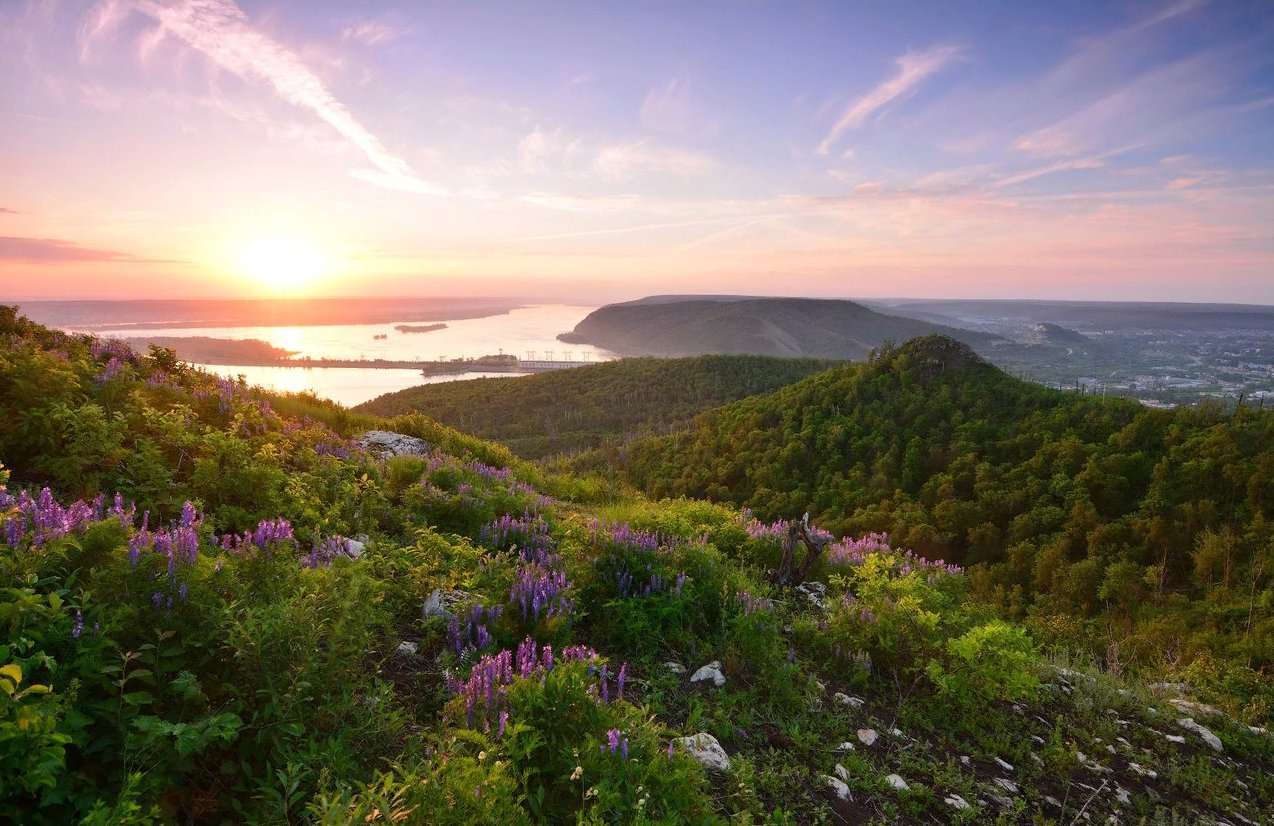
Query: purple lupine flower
[[623, 748], [15, 527], [612, 740], [78, 627], [504, 719], [671, 749], [621, 679]]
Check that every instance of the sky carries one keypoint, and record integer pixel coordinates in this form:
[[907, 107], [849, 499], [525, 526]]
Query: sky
[[600, 150]]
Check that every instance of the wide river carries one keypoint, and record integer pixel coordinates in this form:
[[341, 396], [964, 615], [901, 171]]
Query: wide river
[[528, 332]]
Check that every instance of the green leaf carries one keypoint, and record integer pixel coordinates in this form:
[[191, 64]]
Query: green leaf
[[138, 698]]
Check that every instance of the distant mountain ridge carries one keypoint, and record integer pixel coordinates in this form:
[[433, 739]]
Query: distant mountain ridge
[[820, 328]]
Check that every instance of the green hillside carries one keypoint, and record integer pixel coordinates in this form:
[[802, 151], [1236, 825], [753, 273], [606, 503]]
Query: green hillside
[[1146, 532], [220, 605], [567, 411]]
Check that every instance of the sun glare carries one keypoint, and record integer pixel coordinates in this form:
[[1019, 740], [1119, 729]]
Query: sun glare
[[280, 264]]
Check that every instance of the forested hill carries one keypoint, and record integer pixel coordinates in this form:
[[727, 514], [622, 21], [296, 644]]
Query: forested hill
[[763, 326], [1151, 529], [567, 411]]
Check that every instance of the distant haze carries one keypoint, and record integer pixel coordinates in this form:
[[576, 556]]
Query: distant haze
[[582, 153]]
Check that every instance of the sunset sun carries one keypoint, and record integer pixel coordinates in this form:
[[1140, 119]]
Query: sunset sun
[[280, 263]]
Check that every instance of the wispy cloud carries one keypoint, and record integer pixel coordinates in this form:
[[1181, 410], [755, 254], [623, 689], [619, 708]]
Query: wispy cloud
[[1154, 104], [913, 68], [372, 33], [540, 149], [9, 211], [1168, 12], [625, 161], [49, 250], [672, 108], [220, 30]]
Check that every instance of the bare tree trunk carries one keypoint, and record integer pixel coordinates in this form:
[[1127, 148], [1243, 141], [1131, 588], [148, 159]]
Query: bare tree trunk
[[789, 573]]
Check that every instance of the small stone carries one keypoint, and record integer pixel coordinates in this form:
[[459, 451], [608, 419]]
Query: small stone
[[1137, 768], [843, 747], [897, 782], [846, 700], [1121, 794], [867, 736], [354, 548], [407, 648], [1208, 737], [1004, 764], [675, 668], [813, 592], [1008, 785], [965, 761], [434, 605], [1053, 801], [710, 672], [837, 786], [897, 733], [956, 802], [1002, 801], [705, 750], [841, 772]]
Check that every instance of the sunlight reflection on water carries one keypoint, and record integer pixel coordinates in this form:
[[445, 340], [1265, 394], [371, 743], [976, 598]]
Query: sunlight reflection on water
[[528, 332]]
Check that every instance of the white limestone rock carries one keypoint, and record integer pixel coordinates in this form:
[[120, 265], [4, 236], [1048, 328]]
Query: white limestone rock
[[705, 750], [354, 548], [847, 700], [844, 747], [956, 802], [675, 668], [867, 736], [434, 605], [407, 648], [813, 592], [897, 782], [386, 443], [837, 786], [710, 672], [1208, 737]]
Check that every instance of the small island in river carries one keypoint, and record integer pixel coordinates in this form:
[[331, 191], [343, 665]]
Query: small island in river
[[419, 328]]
